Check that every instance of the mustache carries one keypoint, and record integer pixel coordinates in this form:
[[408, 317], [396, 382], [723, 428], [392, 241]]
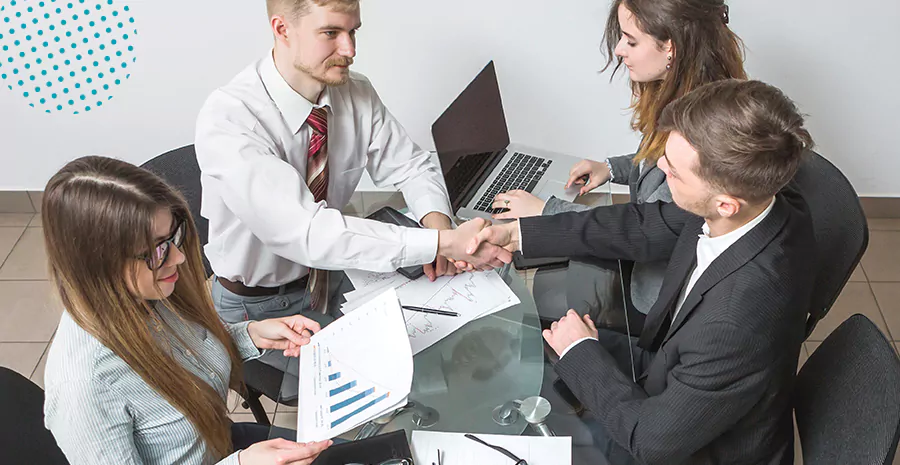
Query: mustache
[[339, 62]]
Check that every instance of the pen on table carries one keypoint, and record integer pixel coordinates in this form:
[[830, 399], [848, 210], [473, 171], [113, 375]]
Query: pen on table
[[429, 310]]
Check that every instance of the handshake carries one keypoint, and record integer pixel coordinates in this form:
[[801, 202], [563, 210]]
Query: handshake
[[479, 245]]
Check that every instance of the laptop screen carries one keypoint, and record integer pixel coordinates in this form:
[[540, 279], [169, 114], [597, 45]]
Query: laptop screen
[[470, 134]]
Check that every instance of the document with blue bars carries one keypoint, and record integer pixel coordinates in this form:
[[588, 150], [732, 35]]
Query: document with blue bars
[[354, 370]]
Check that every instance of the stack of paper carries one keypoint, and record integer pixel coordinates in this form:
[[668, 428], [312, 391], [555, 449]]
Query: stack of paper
[[456, 449], [472, 295], [355, 369]]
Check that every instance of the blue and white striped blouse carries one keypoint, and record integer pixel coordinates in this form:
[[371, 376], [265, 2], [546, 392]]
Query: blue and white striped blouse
[[102, 413]]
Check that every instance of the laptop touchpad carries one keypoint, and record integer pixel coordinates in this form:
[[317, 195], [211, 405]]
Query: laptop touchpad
[[557, 189]]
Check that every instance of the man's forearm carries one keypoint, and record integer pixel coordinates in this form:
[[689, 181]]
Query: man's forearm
[[641, 233], [436, 220]]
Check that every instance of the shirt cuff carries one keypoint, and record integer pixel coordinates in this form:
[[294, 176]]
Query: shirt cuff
[[422, 206], [421, 246], [612, 174], [521, 239], [449, 217], [240, 333], [572, 345]]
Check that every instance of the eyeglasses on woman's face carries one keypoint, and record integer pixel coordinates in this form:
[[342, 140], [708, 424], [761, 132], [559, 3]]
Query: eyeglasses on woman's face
[[157, 258]]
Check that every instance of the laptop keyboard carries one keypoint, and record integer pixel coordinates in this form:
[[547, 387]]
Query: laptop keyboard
[[521, 172]]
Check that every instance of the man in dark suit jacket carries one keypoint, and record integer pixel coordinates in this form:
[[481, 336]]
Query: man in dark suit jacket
[[718, 355]]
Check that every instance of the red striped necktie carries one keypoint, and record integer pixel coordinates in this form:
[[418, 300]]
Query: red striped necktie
[[317, 180]]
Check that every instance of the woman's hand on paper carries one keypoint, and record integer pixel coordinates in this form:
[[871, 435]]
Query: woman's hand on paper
[[288, 333]]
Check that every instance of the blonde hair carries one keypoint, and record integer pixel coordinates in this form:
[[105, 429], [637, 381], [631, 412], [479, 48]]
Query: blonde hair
[[98, 215], [294, 9]]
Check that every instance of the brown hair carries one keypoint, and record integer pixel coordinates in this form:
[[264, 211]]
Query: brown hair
[[706, 50], [748, 134], [297, 8], [98, 215]]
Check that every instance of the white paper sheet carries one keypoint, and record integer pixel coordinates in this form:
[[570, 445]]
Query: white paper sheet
[[456, 449], [353, 370], [472, 295]]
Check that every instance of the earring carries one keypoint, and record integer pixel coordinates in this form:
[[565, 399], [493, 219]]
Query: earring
[[669, 66]]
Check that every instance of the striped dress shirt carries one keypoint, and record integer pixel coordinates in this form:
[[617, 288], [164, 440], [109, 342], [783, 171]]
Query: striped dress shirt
[[102, 413]]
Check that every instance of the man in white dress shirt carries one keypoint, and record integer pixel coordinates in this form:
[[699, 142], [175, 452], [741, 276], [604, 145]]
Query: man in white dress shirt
[[282, 148]]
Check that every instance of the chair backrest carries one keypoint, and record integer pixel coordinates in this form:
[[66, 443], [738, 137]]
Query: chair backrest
[[842, 233], [847, 400], [23, 437], [179, 168]]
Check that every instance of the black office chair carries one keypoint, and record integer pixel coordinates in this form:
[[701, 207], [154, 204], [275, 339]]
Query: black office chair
[[846, 398], [180, 170], [842, 232], [23, 437]]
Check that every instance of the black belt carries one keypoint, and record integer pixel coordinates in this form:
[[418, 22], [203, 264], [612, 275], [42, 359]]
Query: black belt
[[240, 289]]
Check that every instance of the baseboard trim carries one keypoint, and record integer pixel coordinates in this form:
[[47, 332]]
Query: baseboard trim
[[881, 207], [20, 201]]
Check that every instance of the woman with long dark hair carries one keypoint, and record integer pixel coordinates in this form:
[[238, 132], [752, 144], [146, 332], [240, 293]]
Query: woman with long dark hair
[[141, 364]]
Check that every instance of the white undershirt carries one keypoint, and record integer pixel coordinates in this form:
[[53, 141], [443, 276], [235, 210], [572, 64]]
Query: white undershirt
[[709, 249]]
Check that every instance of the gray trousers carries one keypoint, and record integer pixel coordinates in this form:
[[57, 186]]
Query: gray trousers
[[234, 308]]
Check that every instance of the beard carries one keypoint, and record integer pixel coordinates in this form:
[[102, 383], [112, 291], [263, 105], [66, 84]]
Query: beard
[[323, 75], [703, 208]]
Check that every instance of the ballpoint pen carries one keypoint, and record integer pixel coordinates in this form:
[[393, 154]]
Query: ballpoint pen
[[429, 310]]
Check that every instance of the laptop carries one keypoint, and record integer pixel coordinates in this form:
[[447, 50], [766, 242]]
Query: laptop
[[472, 142]]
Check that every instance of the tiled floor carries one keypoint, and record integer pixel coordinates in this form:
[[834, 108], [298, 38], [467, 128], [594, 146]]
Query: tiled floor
[[29, 312]]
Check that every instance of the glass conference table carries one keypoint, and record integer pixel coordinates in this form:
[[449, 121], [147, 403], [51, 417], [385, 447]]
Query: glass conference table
[[495, 374]]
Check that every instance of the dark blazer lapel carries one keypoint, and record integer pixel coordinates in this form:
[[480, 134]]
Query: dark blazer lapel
[[741, 252], [680, 265]]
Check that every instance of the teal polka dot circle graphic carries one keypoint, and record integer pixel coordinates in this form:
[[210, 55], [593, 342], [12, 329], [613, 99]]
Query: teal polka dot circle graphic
[[66, 56]]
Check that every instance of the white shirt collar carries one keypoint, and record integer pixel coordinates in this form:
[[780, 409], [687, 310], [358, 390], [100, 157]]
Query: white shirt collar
[[725, 240], [294, 107]]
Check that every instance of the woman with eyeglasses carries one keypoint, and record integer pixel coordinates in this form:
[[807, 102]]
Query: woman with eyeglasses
[[141, 364]]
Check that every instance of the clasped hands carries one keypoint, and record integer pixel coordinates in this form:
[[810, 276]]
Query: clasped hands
[[474, 245], [497, 242], [478, 245]]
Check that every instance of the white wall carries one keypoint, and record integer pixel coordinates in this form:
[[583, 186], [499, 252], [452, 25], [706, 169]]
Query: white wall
[[419, 54]]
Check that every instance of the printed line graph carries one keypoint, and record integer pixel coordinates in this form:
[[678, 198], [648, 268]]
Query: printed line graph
[[466, 294], [419, 324], [471, 295], [377, 279]]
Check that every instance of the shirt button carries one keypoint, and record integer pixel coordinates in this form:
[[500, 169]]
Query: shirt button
[[188, 353]]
